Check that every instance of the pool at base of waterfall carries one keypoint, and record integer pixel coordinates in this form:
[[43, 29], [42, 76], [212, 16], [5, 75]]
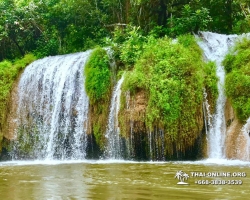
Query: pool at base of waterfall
[[118, 179]]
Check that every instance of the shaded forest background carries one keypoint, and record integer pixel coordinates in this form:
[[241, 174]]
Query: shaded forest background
[[50, 27]]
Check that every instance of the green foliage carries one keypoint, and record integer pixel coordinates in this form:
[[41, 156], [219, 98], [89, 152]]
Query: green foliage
[[98, 87], [237, 65], [46, 48], [209, 69], [8, 74], [242, 26], [22, 63], [190, 21], [132, 47], [97, 131], [52, 27], [238, 57], [171, 73], [127, 45], [20, 27], [158, 31], [210, 82], [49, 27], [98, 120], [98, 75], [188, 42]]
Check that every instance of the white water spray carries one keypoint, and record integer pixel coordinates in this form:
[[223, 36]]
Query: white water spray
[[113, 148], [53, 107]]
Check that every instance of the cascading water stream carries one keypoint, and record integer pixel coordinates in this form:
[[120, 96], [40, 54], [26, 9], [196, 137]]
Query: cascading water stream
[[215, 47], [53, 108], [113, 148]]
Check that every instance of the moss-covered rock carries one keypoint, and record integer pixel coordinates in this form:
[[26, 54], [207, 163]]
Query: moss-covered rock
[[98, 75], [237, 65], [98, 86], [9, 72], [171, 74]]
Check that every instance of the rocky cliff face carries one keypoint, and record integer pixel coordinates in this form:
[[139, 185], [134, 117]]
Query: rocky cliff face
[[132, 116], [237, 137], [145, 144], [154, 143], [11, 125]]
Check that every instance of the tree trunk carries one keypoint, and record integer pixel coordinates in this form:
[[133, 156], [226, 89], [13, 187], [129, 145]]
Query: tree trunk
[[162, 16], [127, 11], [229, 15]]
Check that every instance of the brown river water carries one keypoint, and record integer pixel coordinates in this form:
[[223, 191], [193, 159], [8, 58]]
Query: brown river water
[[217, 179]]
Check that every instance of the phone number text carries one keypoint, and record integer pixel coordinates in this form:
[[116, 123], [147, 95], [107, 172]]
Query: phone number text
[[219, 182]]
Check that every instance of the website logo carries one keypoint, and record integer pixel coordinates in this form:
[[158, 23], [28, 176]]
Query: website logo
[[182, 177]]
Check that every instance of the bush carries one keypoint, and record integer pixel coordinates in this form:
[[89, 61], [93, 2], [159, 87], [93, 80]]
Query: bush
[[172, 75], [46, 48], [127, 45], [132, 47], [190, 21], [237, 65], [98, 75], [242, 26], [8, 74], [98, 87], [238, 57]]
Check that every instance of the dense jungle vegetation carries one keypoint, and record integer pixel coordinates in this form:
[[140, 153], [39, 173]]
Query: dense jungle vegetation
[[50, 27]]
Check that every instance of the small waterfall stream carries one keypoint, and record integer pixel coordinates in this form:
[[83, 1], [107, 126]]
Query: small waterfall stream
[[150, 145], [215, 47], [53, 108], [113, 148]]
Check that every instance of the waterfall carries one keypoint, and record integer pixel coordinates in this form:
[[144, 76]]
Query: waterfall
[[215, 47], [113, 148], [53, 109]]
